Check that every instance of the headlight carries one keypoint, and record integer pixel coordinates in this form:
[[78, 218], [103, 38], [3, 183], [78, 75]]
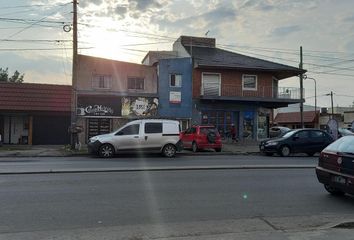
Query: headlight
[[272, 143], [93, 139]]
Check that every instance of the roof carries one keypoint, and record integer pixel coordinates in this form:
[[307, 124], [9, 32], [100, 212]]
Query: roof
[[295, 117], [219, 58], [35, 97], [155, 56]]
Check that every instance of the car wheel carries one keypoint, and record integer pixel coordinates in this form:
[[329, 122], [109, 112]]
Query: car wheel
[[169, 150], [333, 190], [218, 149], [284, 151], [106, 151], [194, 147]]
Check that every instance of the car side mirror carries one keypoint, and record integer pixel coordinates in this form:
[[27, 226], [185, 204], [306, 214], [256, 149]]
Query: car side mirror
[[295, 138], [119, 133]]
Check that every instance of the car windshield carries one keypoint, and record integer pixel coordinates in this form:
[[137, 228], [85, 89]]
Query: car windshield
[[345, 131], [344, 144]]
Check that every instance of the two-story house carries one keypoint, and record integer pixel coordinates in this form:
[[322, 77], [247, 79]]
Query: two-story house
[[230, 88], [110, 93]]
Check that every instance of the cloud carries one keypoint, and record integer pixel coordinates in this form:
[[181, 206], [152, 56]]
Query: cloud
[[86, 3], [211, 19], [284, 31]]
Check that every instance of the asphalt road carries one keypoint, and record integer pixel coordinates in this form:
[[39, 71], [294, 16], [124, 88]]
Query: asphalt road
[[43, 164], [48, 202]]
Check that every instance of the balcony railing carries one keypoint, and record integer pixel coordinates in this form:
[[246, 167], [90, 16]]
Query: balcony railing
[[228, 90]]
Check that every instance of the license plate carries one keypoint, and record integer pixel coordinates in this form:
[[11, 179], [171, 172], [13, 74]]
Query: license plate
[[339, 179]]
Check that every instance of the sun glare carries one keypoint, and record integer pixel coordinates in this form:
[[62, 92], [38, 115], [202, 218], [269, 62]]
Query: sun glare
[[110, 44]]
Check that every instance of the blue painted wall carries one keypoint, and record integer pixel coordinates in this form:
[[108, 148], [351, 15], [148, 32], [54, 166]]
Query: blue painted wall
[[167, 67]]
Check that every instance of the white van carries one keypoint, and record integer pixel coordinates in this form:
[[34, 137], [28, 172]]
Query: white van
[[146, 134]]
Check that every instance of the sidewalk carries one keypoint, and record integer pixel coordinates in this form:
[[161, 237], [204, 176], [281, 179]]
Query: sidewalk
[[239, 148]]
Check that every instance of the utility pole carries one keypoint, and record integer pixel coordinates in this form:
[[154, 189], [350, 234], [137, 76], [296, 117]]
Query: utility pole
[[74, 79], [332, 103], [301, 91]]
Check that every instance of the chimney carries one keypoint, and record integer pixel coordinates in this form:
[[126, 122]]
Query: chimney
[[197, 41]]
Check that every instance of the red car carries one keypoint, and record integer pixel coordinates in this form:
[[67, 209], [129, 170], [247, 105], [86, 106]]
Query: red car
[[201, 137]]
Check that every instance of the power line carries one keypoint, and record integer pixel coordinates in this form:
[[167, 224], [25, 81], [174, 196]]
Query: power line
[[31, 20], [24, 29], [36, 5], [37, 49], [35, 40]]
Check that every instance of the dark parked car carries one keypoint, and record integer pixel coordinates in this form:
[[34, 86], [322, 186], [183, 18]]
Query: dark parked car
[[278, 131], [335, 168], [309, 141]]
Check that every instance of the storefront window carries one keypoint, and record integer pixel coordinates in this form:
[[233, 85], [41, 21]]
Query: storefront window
[[262, 128], [248, 118]]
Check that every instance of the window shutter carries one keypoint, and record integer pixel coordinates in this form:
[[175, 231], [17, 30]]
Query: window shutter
[[211, 84]]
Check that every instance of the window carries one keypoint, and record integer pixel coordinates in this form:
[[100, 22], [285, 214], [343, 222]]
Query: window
[[249, 82], [302, 135], [135, 83], [130, 130], [175, 80], [101, 82], [211, 84], [317, 134], [153, 127]]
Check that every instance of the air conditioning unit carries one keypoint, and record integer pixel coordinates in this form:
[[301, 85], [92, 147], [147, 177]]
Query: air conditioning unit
[[80, 111]]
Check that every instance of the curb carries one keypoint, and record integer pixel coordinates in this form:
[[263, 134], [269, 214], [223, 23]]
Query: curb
[[17, 154], [162, 169]]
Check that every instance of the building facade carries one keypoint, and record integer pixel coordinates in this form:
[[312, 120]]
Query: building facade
[[34, 113], [111, 93], [234, 89], [175, 90]]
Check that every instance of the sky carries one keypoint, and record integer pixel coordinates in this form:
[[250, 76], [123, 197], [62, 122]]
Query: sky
[[36, 36]]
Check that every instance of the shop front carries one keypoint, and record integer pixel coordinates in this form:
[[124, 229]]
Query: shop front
[[251, 122], [103, 114]]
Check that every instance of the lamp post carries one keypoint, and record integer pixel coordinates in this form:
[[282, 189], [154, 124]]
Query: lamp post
[[314, 80], [331, 94]]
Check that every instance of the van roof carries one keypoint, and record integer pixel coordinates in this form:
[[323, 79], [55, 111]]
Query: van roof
[[155, 120]]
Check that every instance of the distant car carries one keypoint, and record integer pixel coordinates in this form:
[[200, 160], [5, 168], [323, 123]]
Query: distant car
[[139, 135], [309, 141], [201, 137], [335, 168], [278, 131], [344, 132]]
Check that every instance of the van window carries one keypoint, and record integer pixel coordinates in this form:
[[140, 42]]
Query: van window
[[130, 130], [153, 127]]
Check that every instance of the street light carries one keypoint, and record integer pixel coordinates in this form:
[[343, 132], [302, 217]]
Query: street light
[[331, 94], [314, 80]]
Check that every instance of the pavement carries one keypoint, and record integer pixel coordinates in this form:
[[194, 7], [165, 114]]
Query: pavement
[[238, 148]]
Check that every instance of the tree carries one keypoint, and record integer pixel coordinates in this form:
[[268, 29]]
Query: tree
[[16, 77]]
